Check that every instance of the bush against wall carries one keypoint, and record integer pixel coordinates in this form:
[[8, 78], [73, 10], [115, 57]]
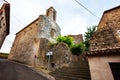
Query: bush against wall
[[65, 39], [76, 49], [4, 55]]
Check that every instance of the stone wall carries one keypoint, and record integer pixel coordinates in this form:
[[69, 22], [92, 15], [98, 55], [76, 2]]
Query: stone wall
[[103, 39], [77, 38], [110, 18], [23, 47], [108, 32], [61, 55], [4, 22]]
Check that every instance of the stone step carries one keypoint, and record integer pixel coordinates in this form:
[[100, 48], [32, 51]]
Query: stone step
[[73, 70], [64, 77], [78, 65], [77, 74], [69, 78], [73, 73]]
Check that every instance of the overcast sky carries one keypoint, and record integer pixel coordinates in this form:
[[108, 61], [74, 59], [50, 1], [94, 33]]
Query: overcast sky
[[71, 17]]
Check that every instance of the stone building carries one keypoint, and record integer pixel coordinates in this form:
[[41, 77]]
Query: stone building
[[4, 22], [30, 44], [108, 32], [77, 38], [104, 52]]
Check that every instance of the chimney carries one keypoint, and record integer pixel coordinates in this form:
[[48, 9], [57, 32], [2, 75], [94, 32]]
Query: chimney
[[51, 13]]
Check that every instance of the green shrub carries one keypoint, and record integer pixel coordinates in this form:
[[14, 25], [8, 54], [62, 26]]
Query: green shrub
[[65, 39], [4, 55], [77, 49]]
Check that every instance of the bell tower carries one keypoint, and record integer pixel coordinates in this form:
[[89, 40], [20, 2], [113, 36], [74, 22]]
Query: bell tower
[[51, 13]]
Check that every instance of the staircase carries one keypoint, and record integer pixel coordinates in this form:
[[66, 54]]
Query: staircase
[[76, 71]]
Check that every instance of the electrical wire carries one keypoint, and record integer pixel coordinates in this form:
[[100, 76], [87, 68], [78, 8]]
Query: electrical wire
[[87, 9], [8, 40], [5, 1]]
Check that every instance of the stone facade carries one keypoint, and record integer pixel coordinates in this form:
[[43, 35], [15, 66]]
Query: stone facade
[[4, 22], [30, 44], [77, 38], [108, 32]]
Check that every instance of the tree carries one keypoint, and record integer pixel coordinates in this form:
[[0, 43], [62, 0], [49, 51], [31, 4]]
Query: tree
[[88, 36]]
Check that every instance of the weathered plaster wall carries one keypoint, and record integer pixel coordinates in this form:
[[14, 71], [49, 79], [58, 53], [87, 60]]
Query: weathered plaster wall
[[42, 59], [33, 41], [48, 29], [99, 66], [23, 47]]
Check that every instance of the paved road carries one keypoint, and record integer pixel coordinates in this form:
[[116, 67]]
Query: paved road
[[14, 71]]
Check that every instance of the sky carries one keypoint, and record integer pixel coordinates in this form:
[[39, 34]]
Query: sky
[[71, 17]]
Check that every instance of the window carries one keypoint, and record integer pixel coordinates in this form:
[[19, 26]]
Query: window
[[115, 68]]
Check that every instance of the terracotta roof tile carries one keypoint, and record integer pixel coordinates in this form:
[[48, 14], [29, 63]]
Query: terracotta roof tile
[[114, 50]]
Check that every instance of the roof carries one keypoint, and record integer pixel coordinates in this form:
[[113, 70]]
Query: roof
[[6, 7], [114, 50], [28, 25], [112, 9], [107, 12]]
